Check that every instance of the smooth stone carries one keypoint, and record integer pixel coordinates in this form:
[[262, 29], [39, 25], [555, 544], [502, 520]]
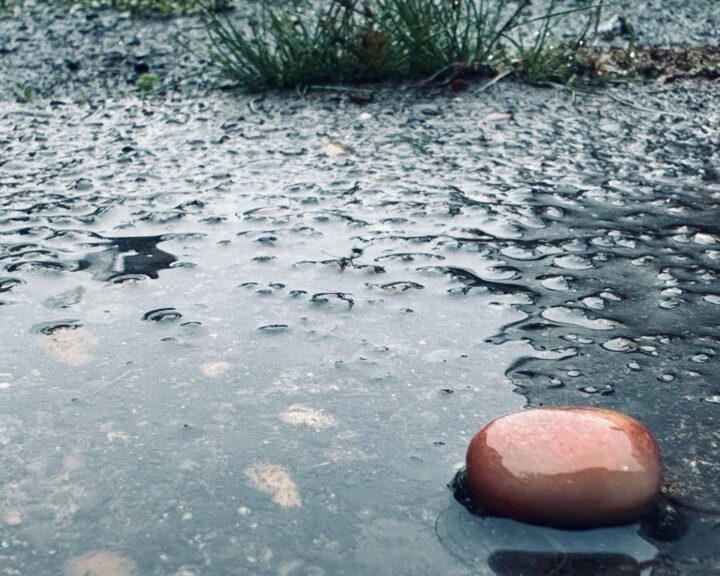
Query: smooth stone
[[565, 467]]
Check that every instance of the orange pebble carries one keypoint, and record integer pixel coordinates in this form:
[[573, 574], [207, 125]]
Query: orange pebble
[[565, 467]]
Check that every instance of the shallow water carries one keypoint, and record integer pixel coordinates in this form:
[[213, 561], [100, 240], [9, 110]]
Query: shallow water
[[255, 336]]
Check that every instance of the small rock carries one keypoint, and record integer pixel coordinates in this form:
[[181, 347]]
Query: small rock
[[565, 467]]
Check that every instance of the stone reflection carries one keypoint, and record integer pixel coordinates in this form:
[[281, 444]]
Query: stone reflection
[[127, 258], [514, 562]]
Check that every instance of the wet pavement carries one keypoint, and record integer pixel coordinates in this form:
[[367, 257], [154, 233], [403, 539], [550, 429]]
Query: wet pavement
[[248, 335], [254, 336]]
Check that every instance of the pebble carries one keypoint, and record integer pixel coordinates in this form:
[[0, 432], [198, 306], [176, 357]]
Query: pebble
[[565, 467]]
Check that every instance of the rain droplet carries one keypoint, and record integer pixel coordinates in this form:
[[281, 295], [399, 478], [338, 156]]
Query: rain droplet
[[577, 317], [7, 284], [325, 297], [48, 328], [573, 262], [162, 315], [593, 302], [619, 344], [705, 239], [556, 283], [274, 328], [401, 286], [606, 390]]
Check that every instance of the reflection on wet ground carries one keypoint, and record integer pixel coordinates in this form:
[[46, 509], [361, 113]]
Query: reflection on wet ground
[[228, 348]]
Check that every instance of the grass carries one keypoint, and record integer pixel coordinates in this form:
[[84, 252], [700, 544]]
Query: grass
[[547, 58], [344, 41], [147, 82]]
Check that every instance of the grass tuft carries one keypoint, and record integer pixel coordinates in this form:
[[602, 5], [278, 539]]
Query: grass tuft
[[548, 58], [346, 41], [147, 82]]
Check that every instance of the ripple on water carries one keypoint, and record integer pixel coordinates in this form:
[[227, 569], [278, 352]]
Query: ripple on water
[[49, 328]]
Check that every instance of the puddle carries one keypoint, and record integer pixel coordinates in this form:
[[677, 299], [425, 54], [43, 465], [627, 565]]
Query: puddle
[[231, 344]]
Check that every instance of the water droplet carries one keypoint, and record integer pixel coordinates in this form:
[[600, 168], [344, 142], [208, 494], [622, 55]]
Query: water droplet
[[705, 239], [7, 284], [401, 286], [669, 303], [593, 302], [83, 184], [274, 328], [573, 262], [326, 297], [162, 315], [556, 383], [518, 253], [36, 266], [577, 317], [556, 283], [606, 390], [619, 344], [49, 328]]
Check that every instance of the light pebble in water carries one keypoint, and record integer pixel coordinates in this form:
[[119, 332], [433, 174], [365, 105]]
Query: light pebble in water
[[298, 414], [100, 563], [11, 517], [566, 467], [275, 480], [70, 346], [214, 369]]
